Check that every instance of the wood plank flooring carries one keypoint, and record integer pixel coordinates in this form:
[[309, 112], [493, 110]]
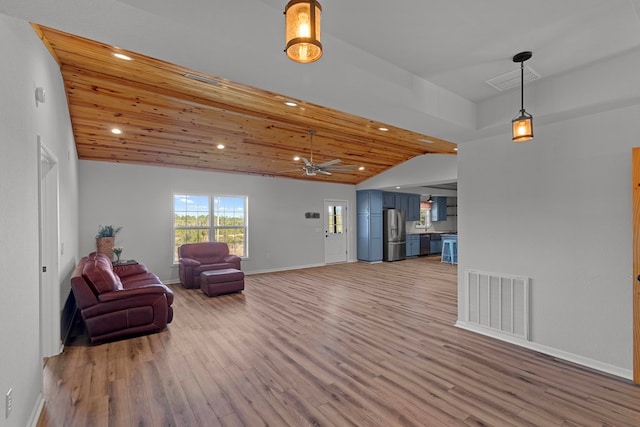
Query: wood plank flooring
[[342, 345]]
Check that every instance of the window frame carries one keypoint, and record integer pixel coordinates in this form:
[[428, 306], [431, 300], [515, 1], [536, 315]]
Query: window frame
[[210, 228], [427, 216]]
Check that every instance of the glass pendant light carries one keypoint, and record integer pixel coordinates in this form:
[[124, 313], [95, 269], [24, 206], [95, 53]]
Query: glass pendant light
[[523, 124], [302, 30]]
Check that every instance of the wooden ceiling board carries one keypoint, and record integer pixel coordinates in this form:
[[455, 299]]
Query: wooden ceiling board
[[171, 120]]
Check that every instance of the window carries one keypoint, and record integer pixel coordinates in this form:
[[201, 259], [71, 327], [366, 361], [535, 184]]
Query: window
[[425, 215], [210, 218], [334, 219]]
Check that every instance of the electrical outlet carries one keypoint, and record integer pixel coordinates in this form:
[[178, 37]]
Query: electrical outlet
[[8, 403]]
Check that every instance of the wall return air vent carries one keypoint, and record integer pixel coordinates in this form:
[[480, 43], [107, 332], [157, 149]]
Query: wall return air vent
[[498, 303], [512, 79]]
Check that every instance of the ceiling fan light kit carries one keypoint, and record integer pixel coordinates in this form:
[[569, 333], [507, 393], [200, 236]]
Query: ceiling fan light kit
[[302, 30], [522, 126]]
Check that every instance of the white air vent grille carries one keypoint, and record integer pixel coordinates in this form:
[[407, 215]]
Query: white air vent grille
[[498, 302], [512, 79], [203, 79]]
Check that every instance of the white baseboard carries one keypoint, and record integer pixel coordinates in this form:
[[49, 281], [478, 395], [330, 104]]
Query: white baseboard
[[560, 354], [291, 267], [268, 270], [275, 270], [37, 410]]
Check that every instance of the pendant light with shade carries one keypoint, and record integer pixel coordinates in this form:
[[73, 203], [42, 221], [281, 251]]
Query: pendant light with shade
[[522, 126], [302, 30]]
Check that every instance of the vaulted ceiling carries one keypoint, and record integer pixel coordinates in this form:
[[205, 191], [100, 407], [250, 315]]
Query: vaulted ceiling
[[173, 116], [419, 68]]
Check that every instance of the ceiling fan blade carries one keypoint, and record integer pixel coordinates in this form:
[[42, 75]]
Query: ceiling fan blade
[[306, 162], [329, 163], [344, 168], [323, 172]]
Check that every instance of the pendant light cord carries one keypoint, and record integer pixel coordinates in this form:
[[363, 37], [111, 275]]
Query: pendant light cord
[[522, 87]]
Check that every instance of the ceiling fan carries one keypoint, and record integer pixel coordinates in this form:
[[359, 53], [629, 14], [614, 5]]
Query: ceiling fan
[[312, 169]]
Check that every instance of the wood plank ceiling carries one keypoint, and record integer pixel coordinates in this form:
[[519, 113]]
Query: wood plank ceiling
[[168, 119]]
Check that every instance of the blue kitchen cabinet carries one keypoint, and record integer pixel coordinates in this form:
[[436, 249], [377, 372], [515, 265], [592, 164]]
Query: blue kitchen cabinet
[[369, 201], [408, 203], [438, 208], [413, 245], [369, 225], [413, 211], [388, 200], [435, 246], [402, 203]]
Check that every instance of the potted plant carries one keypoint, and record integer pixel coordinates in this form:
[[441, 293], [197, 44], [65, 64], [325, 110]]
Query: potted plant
[[105, 239]]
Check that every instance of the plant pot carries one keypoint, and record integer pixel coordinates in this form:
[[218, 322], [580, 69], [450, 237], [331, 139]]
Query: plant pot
[[104, 245]]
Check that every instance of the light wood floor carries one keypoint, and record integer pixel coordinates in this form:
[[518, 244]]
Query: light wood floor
[[342, 345]]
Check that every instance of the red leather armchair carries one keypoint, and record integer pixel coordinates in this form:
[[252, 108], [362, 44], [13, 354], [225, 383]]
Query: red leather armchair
[[194, 258], [120, 301]]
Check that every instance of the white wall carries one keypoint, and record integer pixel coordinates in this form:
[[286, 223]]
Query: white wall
[[419, 171], [558, 209], [140, 199], [27, 64]]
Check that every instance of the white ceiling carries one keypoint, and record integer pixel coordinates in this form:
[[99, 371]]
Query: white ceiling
[[455, 45], [458, 45]]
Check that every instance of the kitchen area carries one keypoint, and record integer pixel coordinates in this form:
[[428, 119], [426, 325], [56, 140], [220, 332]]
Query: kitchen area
[[393, 226], [438, 221]]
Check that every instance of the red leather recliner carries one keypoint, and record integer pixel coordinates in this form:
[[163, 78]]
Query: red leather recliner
[[194, 258], [120, 301]]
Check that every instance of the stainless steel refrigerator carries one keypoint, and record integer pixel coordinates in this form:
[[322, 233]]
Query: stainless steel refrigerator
[[393, 235]]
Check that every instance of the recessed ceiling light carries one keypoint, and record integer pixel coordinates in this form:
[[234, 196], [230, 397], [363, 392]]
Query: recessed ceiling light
[[383, 129], [291, 104], [428, 141], [361, 168], [122, 56], [397, 188], [296, 158], [116, 131], [220, 146], [455, 149]]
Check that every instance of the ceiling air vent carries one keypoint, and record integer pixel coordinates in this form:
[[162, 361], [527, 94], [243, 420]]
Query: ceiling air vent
[[512, 79], [203, 79]]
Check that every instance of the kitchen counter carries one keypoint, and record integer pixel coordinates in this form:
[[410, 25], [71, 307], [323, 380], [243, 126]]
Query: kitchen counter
[[433, 232]]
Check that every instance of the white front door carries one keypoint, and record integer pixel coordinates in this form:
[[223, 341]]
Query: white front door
[[335, 231]]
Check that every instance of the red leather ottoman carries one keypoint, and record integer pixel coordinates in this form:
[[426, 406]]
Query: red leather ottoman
[[219, 282]]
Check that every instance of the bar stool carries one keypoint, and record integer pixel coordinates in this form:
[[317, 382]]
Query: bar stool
[[449, 251]]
